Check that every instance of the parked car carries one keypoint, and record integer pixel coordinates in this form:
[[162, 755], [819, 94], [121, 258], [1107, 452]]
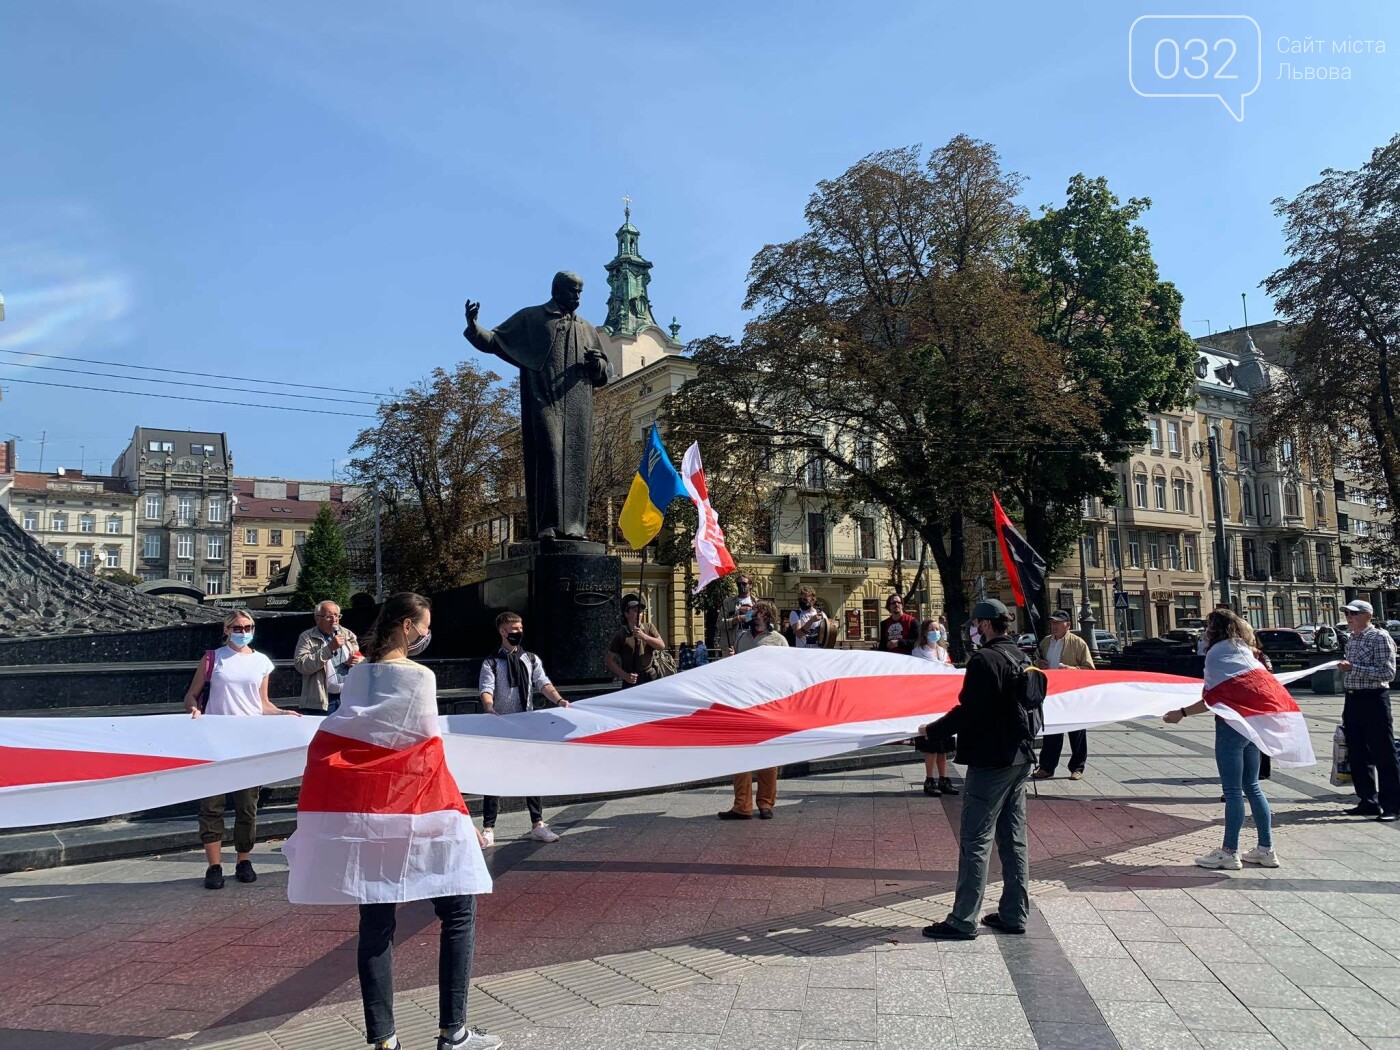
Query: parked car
[[1281, 640], [1182, 634], [1194, 624], [1106, 641], [1392, 628], [1026, 643]]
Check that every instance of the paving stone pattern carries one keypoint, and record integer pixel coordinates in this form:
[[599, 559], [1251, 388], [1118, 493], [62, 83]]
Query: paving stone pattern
[[651, 924]]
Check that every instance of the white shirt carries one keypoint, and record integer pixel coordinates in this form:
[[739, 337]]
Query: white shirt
[[801, 623], [931, 652], [235, 686], [1053, 652]]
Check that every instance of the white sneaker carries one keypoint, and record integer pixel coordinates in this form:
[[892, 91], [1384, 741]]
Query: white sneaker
[[489, 834], [474, 1039], [1265, 858], [541, 833], [1218, 859]]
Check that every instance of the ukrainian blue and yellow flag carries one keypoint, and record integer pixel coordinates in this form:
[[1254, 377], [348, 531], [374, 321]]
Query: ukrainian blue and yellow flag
[[657, 483]]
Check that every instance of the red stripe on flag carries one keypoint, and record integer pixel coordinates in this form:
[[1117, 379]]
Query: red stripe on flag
[[1256, 692], [27, 766], [350, 776], [836, 702]]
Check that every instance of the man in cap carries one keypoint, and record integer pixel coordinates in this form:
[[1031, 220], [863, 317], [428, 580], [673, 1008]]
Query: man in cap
[[634, 646], [1368, 670], [993, 742], [1063, 648]]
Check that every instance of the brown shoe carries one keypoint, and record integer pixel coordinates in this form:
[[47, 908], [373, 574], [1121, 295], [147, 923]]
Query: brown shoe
[[1042, 774], [765, 814], [734, 814]]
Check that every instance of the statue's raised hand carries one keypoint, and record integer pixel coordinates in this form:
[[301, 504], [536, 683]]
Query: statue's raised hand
[[472, 310]]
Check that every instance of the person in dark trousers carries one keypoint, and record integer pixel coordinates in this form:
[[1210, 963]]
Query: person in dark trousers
[[510, 678], [1063, 648], [994, 743], [1368, 670]]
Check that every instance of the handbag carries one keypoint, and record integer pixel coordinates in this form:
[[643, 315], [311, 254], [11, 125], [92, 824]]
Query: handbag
[[203, 700], [662, 664]]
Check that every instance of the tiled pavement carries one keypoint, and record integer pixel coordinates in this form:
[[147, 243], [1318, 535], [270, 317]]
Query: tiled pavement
[[652, 924]]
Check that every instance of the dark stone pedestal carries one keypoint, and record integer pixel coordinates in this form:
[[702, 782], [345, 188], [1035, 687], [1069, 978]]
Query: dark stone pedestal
[[569, 593]]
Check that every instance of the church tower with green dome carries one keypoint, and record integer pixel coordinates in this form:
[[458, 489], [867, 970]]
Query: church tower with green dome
[[636, 337]]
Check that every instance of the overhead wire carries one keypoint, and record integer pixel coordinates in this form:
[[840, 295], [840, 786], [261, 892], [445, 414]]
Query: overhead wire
[[201, 375], [200, 400], [165, 382]]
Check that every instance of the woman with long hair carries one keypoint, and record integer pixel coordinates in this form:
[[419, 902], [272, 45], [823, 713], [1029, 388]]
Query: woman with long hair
[[380, 822], [237, 679], [1230, 640]]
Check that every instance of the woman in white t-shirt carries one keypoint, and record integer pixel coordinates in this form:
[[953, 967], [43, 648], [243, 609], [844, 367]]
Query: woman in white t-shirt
[[930, 647], [237, 678]]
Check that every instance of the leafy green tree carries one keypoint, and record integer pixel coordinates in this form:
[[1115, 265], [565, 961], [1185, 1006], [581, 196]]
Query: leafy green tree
[[1099, 299], [325, 570]]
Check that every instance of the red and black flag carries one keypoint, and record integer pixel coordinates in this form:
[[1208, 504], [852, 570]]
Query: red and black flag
[[1025, 567]]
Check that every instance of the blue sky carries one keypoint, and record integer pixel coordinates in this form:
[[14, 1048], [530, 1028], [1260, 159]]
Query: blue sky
[[308, 191]]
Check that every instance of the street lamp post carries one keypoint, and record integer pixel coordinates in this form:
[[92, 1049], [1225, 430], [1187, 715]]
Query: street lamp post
[[1086, 611]]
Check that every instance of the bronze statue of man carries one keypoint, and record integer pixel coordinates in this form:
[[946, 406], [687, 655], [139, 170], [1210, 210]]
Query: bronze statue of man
[[561, 360]]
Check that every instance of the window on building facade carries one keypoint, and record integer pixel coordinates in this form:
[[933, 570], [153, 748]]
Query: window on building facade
[[1324, 561], [184, 546], [31, 521], [1280, 617], [185, 576], [114, 525], [1159, 492], [1298, 560], [274, 566], [1247, 499], [1179, 494], [154, 505], [216, 508], [87, 523], [1285, 450], [150, 545], [250, 567], [299, 537], [1154, 429], [1320, 506], [911, 545], [113, 557], [60, 523], [85, 557], [989, 555], [1140, 490], [1190, 498], [865, 455], [762, 533], [1174, 552], [1191, 556], [1275, 558], [1242, 443], [1254, 607], [1266, 508], [1225, 499], [865, 536], [1134, 551], [1091, 549], [185, 512], [1291, 508], [1154, 552], [815, 473], [1305, 609], [1173, 436], [1115, 553], [213, 583], [213, 547], [250, 537], [274, 537], [816, 542], [1251, 566], [147, 575], [1359, 526]]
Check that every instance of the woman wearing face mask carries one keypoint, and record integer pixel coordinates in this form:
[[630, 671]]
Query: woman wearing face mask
[[930, 647], [381, 822], [237, 678]]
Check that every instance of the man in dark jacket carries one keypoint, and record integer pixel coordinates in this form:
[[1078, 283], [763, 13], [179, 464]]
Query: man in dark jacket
[[992, 740]]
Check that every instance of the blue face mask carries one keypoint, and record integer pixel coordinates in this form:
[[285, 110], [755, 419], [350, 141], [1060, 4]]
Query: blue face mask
[[239, 639], [934, 637]]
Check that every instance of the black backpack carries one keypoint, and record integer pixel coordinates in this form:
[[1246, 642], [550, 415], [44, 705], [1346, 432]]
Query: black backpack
[[1028, 689]]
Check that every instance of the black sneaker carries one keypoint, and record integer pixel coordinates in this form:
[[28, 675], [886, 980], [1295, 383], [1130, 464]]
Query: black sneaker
[[1388, 818], [931, 787], [733, 814], [1365, 809], [994, 922], [941, 931], [243, 871], [946, 786], [214, 877]]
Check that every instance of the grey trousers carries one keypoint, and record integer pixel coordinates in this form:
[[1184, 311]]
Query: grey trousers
[[993, 806]]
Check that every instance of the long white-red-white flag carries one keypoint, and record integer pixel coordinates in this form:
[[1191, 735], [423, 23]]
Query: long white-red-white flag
[[711, 554], [766, 707]]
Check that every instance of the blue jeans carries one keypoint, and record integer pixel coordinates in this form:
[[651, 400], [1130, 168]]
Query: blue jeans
[[1238, 762]]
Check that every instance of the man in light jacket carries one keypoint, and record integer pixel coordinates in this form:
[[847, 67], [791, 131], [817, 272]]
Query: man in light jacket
[[1063, 648], [323, 656], [762, 631]]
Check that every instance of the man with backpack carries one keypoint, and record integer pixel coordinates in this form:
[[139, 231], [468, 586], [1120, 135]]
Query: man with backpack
[[998, 717]]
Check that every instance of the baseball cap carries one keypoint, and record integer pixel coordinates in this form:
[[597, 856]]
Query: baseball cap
[[989, 609], [1358, 606], [632, 601], [1060, 616]]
